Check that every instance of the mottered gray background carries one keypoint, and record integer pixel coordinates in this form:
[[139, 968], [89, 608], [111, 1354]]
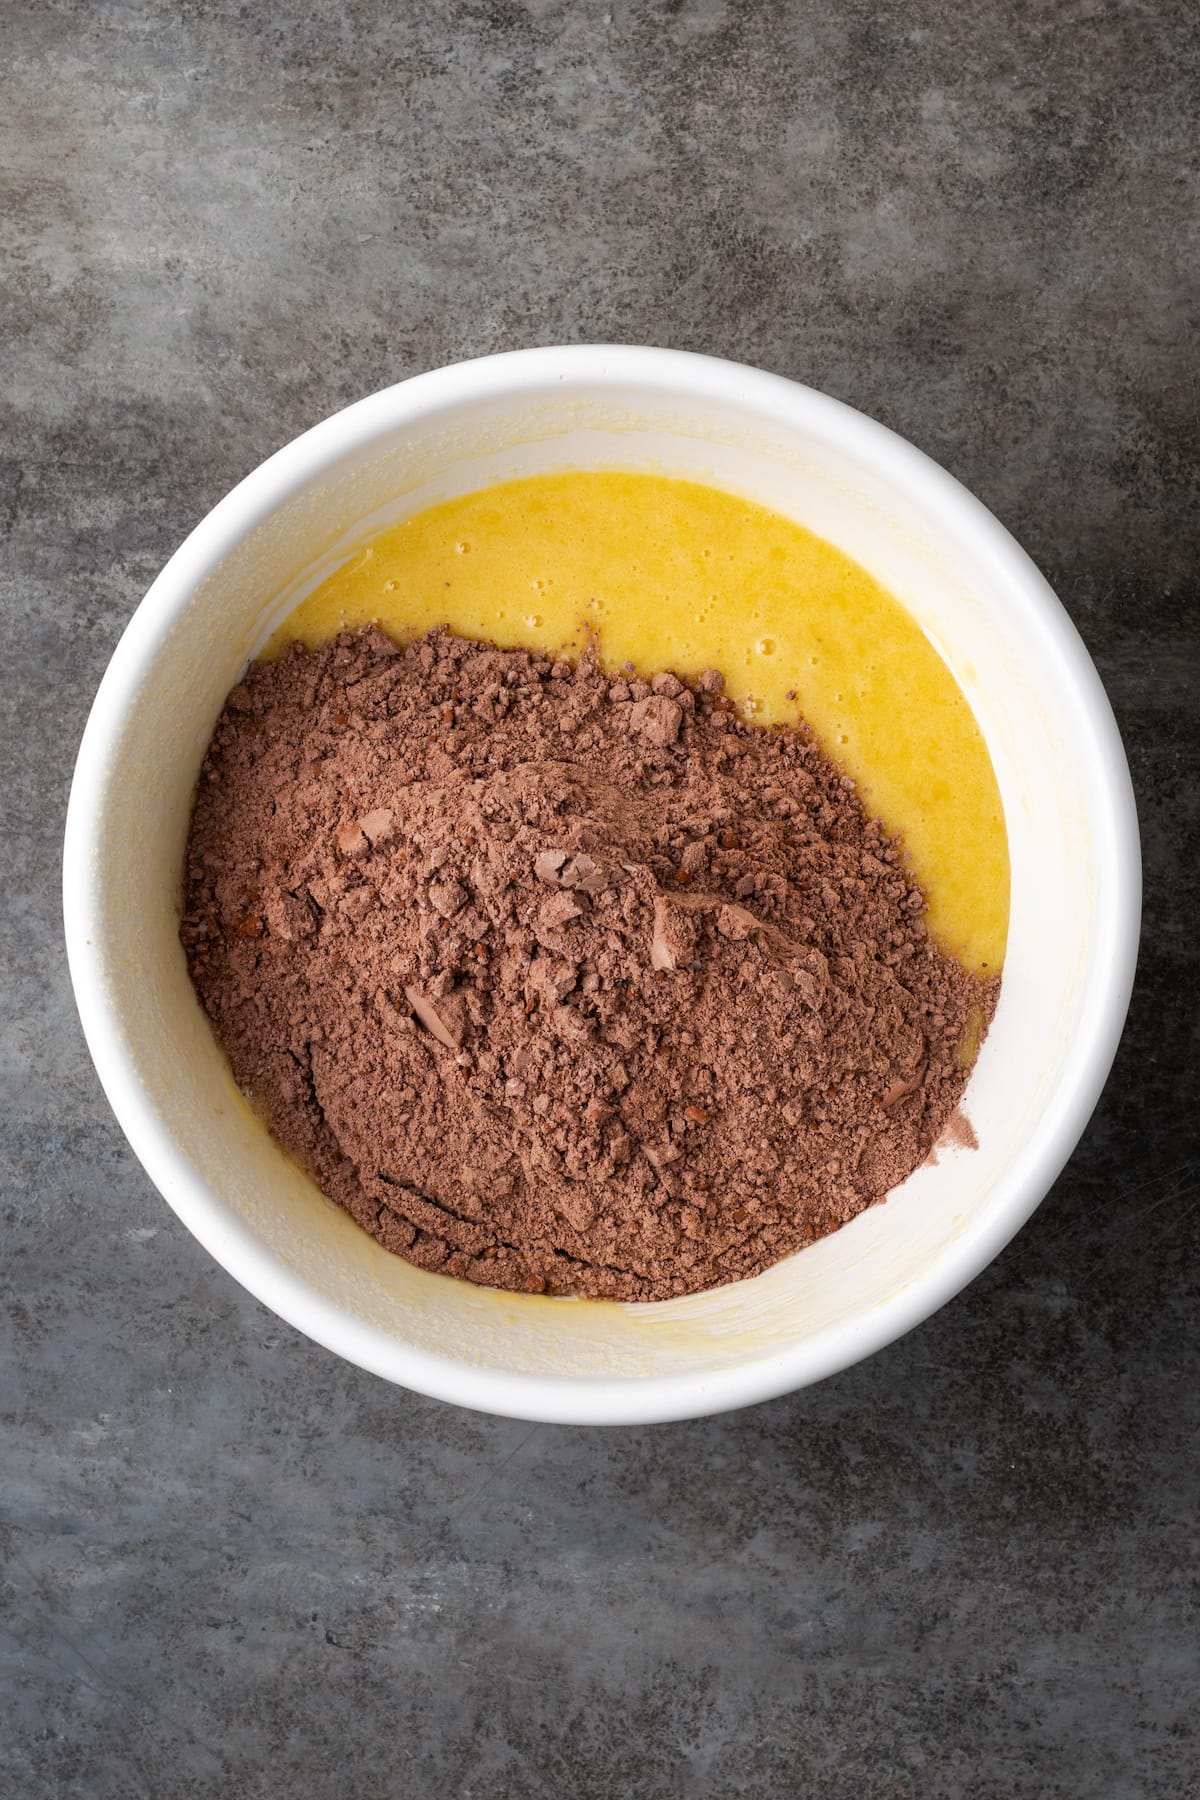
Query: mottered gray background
[[230, 1563]]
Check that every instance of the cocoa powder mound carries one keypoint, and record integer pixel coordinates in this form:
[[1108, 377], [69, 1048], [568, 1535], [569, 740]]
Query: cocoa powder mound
[[560, 983]]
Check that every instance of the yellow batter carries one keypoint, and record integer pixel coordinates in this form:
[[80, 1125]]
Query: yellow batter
[[672, 574]]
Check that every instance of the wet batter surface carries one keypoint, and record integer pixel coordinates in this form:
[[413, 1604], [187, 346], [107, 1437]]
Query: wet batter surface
[[675, 574]]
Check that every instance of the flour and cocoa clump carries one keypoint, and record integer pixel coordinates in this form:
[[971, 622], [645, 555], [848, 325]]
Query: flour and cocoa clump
[[560, 983]]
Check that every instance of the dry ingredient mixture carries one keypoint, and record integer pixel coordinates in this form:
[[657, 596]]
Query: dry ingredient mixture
[[561, 983]]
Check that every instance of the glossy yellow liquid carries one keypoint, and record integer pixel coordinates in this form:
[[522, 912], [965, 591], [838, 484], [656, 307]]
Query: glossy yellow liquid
[[673, 574]]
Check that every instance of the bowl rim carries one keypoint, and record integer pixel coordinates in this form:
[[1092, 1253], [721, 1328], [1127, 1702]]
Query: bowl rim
[[574, 1399]]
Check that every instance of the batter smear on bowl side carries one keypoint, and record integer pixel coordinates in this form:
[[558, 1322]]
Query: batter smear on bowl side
[[559, 982]]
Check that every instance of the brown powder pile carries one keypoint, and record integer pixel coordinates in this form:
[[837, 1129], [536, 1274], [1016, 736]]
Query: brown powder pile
[[563, 983]]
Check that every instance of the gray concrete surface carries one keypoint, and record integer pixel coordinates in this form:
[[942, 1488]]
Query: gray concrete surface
[[231, 1564]]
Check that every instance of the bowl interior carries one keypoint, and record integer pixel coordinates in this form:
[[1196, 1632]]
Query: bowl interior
[[1050, 738]]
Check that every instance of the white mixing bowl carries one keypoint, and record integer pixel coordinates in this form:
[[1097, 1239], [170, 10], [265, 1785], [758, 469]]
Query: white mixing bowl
[[1072, 835]]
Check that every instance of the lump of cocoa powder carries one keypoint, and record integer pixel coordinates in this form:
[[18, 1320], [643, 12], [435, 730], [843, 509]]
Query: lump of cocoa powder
[[559, 983]]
